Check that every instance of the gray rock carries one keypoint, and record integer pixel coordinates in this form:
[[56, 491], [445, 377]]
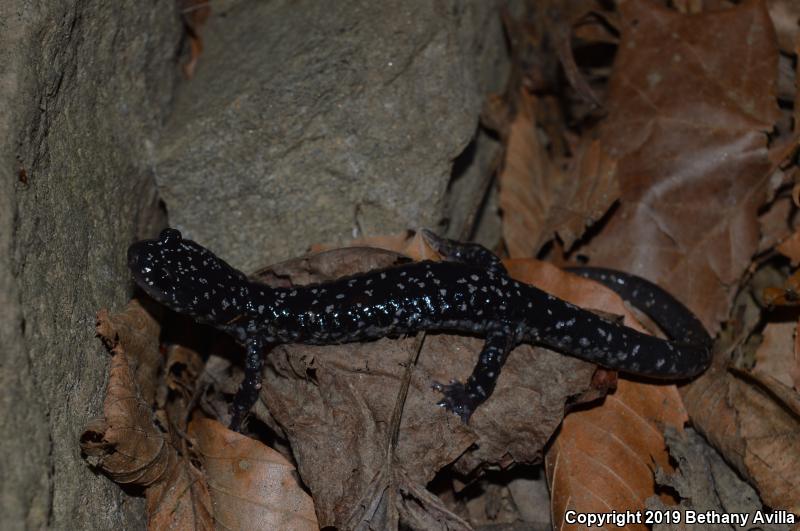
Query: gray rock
[[315, 121], [307, 121], [84, 88]]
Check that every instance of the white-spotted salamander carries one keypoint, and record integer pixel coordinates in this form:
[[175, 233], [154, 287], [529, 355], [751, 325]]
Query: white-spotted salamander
[[469, 292]]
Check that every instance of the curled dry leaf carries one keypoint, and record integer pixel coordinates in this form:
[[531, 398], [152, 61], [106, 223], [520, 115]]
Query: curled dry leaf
[[538, 199], [755, 432], [252, 486], [136, 330], [180, 383], [195, 14], [335, 405], [705, 482], [126, 444], [691, 189]]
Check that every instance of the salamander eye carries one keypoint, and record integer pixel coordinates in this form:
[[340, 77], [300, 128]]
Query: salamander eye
[[170, 235]]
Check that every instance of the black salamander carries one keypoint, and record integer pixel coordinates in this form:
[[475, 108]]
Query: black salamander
[[469, 292]]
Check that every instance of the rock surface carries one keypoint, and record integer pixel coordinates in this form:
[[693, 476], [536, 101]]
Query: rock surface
[[312, 122], [84, 87]]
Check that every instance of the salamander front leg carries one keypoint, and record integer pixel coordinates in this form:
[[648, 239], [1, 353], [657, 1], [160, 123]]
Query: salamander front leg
[[466, 253], [463, 399], [248, 391]]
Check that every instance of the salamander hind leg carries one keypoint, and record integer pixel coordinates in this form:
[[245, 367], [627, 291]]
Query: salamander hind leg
[[466, 253], [248, 391], [462, 399]]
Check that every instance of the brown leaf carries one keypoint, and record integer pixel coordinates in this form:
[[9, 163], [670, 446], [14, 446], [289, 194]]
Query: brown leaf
[[773, 226], [786, 295], [754, 431], [182, 370], [251, 485], [195, 14], [127, 444], [687, 123], [136, 330], [538, 199], [604, 458], [785, 14], [790, 248], [182, 501], [704, 483], [776, 356]]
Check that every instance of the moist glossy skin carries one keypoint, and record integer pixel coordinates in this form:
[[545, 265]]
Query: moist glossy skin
[[470, 293]]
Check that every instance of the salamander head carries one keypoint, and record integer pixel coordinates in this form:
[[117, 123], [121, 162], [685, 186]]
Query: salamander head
[[188, 278]]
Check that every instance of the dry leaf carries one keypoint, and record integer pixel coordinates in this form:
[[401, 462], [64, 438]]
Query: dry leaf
[[704, 482], [790, 248], [755, 433], [195, 14], [687, 123], [127, 444], [251, 485], [603, 459], [776, 356], [538, 199]]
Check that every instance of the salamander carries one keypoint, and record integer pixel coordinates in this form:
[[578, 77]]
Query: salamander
[[468, 292]]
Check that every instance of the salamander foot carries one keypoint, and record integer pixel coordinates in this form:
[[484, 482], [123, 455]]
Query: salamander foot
[[457, 399]]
